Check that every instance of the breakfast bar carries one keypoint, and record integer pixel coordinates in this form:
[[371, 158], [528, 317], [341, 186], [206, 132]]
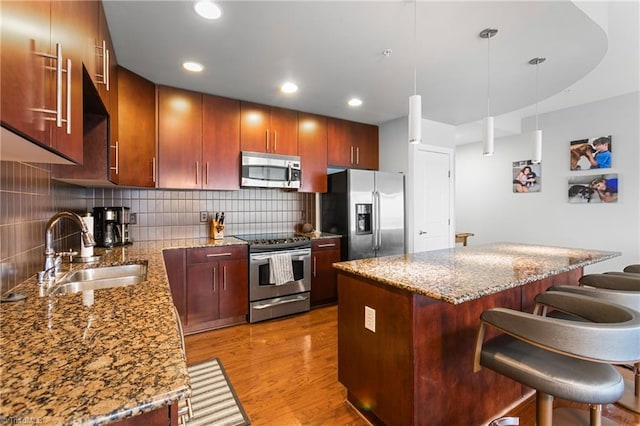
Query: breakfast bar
[[407, 326]]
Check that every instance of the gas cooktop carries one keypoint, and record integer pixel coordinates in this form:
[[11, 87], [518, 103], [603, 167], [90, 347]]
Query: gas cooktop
[[275, 241]]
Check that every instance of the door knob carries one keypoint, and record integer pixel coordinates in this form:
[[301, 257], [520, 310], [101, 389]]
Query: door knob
[[421, 232]]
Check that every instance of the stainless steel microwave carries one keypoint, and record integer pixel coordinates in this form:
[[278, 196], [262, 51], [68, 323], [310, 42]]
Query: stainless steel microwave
[[270, 170]]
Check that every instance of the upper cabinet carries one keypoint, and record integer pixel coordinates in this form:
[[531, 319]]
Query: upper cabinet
[[312, 148], [198, 140], [104, 68], [221, 142], [179, 138], [41, 65], [268, 129], [352, 145], [136, 136]]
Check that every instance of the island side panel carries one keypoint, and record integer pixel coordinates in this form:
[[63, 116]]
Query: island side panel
[[530, 291], [376, 368], [447, 391]]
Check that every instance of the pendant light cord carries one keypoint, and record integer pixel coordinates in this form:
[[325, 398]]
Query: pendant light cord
[[489, 76], [537, 126], [415, 41]]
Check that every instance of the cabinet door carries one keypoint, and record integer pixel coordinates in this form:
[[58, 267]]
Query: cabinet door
[[115, 157], [324, 285], [136, 129], [203, 288], [220, 142], [25, 81], [283, 132], [234, 292], [340, 151], [174, 263], [179, 138], [255, 121], [365, 139], [67, 24], [105, 64], [312, 148]]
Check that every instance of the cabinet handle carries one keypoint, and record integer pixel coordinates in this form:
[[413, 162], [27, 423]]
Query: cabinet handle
[[214, 279], [197, 167], [58, 69], [218, 254], [314, 266], [357, 155], [153, 169], [68, 120], [107, 71], [351, 161], [326, 245], [267, 139], [275, 141], [117, 167], [206, 174], [104, 56], [224, 278]]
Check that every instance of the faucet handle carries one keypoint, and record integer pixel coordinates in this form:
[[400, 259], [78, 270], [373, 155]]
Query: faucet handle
[[62, 254]]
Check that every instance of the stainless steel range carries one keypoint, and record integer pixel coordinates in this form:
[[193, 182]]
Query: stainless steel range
[[279, 275]]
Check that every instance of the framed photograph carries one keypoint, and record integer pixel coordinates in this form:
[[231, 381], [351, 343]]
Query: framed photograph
[[526, 176], [594, 153], [592, 189]]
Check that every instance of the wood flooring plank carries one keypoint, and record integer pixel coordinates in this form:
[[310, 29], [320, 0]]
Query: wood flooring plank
[[285, 372]]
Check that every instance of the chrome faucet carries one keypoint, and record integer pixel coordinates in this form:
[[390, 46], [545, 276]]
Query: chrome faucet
[[51, 264]]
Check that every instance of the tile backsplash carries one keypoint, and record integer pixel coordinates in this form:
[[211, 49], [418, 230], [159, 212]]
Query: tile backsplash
[[29, 197]]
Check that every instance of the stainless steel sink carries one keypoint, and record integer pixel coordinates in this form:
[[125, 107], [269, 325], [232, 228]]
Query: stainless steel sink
[[100, 278]]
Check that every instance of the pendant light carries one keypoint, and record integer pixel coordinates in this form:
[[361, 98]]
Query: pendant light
[[415, 101], [487, 122], [537, 134]]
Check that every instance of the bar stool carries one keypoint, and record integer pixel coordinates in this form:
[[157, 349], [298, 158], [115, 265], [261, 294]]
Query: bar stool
[[626, 292], [632, 268], [563, 358]]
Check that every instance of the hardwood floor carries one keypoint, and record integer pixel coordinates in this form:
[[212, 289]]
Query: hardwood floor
[[285, 372]]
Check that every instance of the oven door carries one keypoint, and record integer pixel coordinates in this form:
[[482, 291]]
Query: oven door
[[259, 286]]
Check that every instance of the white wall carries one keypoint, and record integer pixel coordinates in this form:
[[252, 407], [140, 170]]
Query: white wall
[[487, 206]]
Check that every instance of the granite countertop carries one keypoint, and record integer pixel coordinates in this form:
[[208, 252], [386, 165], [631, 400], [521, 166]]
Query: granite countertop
[[94, 359], [320, 235], [461, 274]]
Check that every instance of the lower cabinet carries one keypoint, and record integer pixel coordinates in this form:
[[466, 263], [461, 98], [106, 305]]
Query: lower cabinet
[[161, 417], [324, 287], [209, 285]]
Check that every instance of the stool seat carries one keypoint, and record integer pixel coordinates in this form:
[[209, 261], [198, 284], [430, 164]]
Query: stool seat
[[563, 377]]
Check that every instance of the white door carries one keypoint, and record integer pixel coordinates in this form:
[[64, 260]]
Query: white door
[[432, 203]]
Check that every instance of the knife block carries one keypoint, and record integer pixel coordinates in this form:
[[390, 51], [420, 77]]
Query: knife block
[[217, 230]]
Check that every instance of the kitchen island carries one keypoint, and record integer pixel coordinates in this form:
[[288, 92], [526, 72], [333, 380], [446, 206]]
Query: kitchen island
[[407, 326], [98, 357]]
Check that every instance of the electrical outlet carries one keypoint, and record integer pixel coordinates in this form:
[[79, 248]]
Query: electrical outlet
[[204, 216], [370, 319], [133, 218]]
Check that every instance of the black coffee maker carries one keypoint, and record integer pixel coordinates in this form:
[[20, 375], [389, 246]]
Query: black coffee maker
[[111, 226]]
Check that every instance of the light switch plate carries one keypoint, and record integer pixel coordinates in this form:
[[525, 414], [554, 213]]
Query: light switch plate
[[370, 319], [204, 216]]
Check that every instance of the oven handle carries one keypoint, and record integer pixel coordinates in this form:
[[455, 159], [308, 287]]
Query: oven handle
[[280, 302], [301, 256]]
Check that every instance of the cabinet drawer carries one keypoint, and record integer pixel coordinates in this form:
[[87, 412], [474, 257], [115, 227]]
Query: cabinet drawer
[[215, 254], [325, 244]]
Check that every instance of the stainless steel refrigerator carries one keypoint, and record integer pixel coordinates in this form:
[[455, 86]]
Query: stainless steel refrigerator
[[367, 209]]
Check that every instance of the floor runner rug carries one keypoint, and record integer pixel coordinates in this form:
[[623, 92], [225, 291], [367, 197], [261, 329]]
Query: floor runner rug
[[213, 400]]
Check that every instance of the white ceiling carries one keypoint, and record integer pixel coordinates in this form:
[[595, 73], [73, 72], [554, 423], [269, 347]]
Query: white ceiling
[[333, 51]]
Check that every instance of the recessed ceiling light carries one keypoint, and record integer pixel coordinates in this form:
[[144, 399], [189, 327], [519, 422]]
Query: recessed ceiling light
[[192, 66], [207, 9], [355, 102], [289, 87]]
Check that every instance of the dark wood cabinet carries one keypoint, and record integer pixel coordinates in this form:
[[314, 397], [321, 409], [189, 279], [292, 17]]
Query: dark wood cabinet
[[136, 141], [34, 105], [105, 60], [165, 416], [352, 145], [312, 148], [179, 138], [217, 288], [324, 281], [220, 143], [268, 129]]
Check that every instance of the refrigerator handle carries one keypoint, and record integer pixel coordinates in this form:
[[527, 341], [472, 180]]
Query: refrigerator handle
[[378, 222], [374, 222]]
